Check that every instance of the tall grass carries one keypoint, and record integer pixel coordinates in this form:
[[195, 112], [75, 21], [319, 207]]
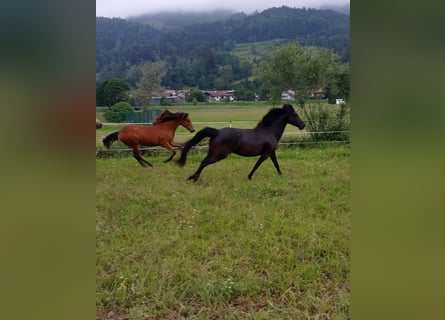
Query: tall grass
[[276, 247]]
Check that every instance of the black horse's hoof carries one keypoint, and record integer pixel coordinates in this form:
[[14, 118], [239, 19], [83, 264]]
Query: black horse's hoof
[[195, 178]]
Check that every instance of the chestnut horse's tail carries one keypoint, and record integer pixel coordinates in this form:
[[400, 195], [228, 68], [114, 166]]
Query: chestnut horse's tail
[[108, 140], [204, 133]]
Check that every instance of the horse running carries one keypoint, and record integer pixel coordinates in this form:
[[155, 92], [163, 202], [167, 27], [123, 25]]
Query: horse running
[[261, 141], [160, 133]]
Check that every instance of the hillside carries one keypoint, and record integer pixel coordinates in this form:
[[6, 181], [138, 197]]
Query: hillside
[[212, 53], [180, 19], [254, 52]]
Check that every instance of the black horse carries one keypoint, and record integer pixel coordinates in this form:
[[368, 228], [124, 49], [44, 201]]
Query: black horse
[[261, 141]]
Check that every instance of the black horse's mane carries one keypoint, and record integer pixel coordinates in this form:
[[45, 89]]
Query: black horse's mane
[[167, 115], [271, 116]]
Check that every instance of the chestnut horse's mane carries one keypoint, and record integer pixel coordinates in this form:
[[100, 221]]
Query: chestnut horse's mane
[[167, 115]]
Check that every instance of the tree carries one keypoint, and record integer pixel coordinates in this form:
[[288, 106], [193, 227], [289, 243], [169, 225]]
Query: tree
[[197, 95], [111, 91], [303, 69], [117, 112], [300, 69], [220, 84], [149, 83], [340, 87], [133, 75], [164, 102]]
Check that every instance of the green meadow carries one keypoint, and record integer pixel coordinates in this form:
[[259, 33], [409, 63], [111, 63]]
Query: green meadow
[[225, 247], [255, 51]]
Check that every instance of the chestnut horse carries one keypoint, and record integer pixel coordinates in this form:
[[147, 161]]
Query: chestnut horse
[[98, 124], [160, 133], [261, 141]]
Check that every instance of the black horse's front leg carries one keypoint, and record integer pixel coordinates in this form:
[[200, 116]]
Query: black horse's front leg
[[196, 175], [273, 157], [257, 164], [204, 163]]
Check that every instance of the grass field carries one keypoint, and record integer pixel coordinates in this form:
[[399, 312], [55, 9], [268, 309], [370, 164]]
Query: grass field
[[257, 51], [275, 247]]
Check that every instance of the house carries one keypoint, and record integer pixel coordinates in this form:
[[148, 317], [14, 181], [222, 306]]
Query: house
[[219, 96], [168, 93], [317, 93], [288, 95], [340, 101], [173, 95]]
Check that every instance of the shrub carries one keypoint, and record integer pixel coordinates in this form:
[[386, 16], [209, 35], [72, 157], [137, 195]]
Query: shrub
[[327, 122], [164, 102], [117, 112], [196, 94]]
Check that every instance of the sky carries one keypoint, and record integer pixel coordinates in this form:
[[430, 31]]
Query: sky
[[127, 8]]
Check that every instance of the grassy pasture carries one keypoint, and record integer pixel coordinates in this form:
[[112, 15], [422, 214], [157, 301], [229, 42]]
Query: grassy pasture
[[255, 51], [276, 247]]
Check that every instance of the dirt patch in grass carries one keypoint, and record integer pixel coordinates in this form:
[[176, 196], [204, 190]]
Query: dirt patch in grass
[[110, 314]]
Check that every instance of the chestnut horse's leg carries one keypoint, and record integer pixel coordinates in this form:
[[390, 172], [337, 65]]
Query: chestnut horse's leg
[[169, 147], [137, 155], [257, 164], [171, 157], [273, 157]]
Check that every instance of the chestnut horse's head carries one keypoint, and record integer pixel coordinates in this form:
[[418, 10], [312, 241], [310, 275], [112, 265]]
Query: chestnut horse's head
[[98, 124], [186, 122]]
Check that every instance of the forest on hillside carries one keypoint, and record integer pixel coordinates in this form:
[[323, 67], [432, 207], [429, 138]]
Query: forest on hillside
[[202, 54]]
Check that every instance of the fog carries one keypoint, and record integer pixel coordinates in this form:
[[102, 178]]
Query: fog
[[128, 8]]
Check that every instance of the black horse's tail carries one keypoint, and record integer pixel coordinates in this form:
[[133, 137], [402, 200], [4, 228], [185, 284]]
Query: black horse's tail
[[204, 133], [108, 140]]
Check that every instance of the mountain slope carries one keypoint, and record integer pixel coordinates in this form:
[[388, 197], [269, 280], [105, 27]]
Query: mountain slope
[[196, 53]]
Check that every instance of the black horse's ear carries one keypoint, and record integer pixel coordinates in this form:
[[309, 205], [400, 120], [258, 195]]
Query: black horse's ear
[[288, 107]]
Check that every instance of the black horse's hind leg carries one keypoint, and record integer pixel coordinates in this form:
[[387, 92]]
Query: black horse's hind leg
[[204, 163], [257, 164], [273, 157], [138, 157]]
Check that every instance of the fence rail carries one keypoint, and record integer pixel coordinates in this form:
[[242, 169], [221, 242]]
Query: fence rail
[[228, 123], [102, 152]]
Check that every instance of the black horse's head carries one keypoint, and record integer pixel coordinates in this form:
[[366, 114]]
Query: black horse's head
[[293, 117], [98, 124]]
